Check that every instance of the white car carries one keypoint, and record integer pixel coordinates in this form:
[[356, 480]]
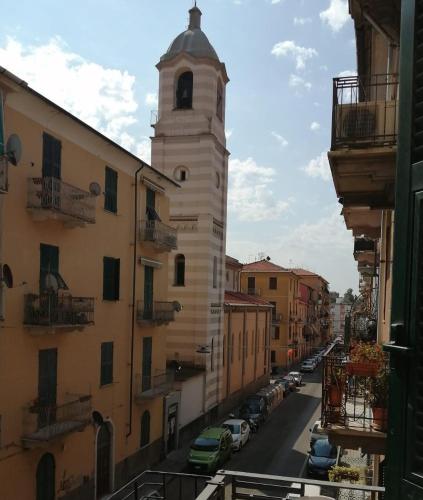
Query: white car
[[240, 431], [317, 432], [307, 366]]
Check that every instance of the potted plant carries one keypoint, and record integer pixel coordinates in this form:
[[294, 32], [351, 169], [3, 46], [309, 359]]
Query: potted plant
[[378, 400], [341, 474], [366, 359], [336, 392]]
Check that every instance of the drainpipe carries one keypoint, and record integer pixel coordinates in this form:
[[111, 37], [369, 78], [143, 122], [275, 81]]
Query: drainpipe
[[134, 272]]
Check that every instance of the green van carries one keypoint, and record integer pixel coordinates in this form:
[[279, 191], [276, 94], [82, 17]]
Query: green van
[[210, 450]]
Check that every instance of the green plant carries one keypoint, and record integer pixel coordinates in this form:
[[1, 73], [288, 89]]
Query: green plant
[[337, 376], [339, 474], [364, 352], [378, 390]]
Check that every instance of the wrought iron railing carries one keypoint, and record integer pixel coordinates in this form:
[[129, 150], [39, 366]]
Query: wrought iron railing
[[365, 111], [4, 171], [50, 309], [49, 193], [349, 391], [158, 233], [43, 423], [150, 386], [155, 312]]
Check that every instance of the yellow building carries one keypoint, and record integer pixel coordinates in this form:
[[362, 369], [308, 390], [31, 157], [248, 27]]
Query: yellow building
[[84, 303], [280, 287]]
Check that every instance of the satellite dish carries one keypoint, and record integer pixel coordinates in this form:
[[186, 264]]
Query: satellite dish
[[95, 189], [14, 149], [7, 276], [176, 306], [203, 349]]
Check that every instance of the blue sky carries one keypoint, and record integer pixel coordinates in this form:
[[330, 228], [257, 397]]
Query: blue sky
[[97, 59]]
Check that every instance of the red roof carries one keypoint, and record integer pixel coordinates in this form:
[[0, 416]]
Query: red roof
[[303, 272], [264, 266], [242, 299]]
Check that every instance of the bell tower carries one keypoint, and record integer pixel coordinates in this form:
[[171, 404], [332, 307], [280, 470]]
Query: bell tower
[[189, 145]]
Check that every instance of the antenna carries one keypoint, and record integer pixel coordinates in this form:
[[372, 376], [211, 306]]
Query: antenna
[[14, 149]]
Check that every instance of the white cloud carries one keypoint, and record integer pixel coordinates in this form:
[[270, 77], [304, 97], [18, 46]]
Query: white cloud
[[318, 167], [301, 21], [281, 140], [315, 126], [297, 81], [336, 15], [102, 97], [348, 72], [250, 195], [151, 99], [275, 2], [229, 132], [290, 48]]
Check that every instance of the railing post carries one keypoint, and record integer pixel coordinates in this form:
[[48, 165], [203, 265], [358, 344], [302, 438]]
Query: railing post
[[233, 495], [135, 490]]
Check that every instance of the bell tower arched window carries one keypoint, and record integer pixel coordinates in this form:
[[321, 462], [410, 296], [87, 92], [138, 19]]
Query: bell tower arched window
[[184, 91], [219, 100], [180, 270]]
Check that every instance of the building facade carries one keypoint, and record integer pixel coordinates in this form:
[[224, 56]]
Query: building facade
[[84, 304], [189, 146]]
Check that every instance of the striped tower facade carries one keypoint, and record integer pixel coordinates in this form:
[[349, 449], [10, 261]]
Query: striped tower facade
[[189, 145]]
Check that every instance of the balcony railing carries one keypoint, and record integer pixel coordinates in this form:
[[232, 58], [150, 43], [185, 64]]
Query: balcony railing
[[276, 318], [43, 423], [161, 235], [347, 395], [53, 310], [61, 199], [151, 386], [4, 170], [365, 111], [155, 312]]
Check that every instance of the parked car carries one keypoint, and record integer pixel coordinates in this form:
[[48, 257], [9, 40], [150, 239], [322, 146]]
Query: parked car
[[317, 432], [284, 384], [211, 449], [323, 455], [240, 430], [307, 366], [291, 383], [272, 395], [254, 408], [298, 379]]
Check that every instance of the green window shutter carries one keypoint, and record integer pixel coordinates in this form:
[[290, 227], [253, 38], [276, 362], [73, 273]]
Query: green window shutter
[[52, 157], [145, 429], [2, 145], [111, 278], [49, 261], [106, 370], [110, 191], [147, 353], [151, 198], [148, 292]]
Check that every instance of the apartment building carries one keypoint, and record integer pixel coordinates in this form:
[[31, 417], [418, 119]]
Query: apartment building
[[84, 244]]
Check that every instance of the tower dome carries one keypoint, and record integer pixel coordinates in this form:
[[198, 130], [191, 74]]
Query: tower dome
[[192, 41]]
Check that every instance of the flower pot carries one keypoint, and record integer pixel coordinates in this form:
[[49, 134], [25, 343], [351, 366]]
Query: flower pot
[[363, 369], [380, 419], [335, 395]]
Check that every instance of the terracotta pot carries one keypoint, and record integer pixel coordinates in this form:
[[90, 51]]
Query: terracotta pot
[[335, 395], [380, 419], [362, 369]]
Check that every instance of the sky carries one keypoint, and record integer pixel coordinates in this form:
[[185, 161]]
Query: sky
[[97, 59]]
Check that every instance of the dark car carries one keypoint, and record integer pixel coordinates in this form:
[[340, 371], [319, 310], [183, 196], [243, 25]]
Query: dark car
[[323, 455], [284, 384], [254, 409]]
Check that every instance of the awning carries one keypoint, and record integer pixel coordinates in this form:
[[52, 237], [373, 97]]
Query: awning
[[150, 262]]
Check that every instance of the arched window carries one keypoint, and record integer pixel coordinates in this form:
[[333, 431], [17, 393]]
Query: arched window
[[184, 91], [219, 100], [145, 429], [104, 460], [46, 481], [214, 272], [180, 270]]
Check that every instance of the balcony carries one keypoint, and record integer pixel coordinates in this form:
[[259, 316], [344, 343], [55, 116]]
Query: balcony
[[51, 198], [276, 318], [153, 386], [156, 312], [4, 170], [347, 411], [364, 138], [58, 311], [43, 424], [159, 235]]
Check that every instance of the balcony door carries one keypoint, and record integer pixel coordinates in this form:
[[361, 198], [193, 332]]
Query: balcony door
[[251, 284], [405, 435], [104, 460], [147, 352], [45, 479], [51, 172], [47, 387], [148, 292]]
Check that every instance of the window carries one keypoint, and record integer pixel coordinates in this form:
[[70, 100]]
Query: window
[[214, 272], [219, 100], [273, 356], [145, 429], [150, 205], [251, 284], [273, 283], [180, 270], [52, 152], [273, 310], [106, 371], [212, 356], [111, 278], [183, 175], [277, 333], [110, 190], [184, 91]]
